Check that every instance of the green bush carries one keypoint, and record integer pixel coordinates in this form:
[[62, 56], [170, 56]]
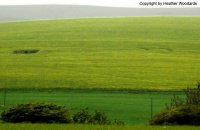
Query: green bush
[[175, 102], [193, 95], [82, 117], [182, 115], [181, 112], [192, 98], [100, 118], [39, 112]]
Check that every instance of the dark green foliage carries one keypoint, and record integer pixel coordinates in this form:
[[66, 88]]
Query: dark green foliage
[[193, 95], [100, 118], [175, 102], [83, 117], [117, 122], [182, 115], [181, 112], [39, 112], [25, 51]]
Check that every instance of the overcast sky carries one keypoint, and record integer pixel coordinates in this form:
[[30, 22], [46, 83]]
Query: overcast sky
[[111, 3], [119, 3]]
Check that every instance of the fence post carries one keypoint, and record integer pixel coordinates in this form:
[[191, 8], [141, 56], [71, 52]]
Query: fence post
[[151, 108], [4, 104]]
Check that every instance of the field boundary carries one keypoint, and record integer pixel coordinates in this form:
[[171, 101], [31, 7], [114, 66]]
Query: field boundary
[[142, 91]]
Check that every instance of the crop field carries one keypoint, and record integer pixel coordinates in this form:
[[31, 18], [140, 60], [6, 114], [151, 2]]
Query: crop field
[[108, 53]]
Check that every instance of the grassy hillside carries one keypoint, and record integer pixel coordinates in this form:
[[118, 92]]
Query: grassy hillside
[[119, 53]]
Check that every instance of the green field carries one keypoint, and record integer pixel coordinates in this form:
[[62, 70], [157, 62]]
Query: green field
[[133, 108], [110, 53], [90, 127]]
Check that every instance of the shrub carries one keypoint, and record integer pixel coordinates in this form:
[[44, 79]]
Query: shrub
[[82, 117], [193, 95], [182, 115], [181, 112], [175, 102], [100, 118], [117, 122], [39, 112], [192, 98]]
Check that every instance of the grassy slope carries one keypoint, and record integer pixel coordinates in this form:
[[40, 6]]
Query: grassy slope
[[132, 108], [132, 53]]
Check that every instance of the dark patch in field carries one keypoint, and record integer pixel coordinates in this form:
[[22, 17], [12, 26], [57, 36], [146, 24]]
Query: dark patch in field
[[25, 51], [145, 48], [161, 50], [168, 49]]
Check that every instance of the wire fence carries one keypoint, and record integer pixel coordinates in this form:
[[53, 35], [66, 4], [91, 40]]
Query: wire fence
[[132, 108]]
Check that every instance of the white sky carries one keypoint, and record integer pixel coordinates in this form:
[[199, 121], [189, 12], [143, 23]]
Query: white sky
[[112, 3], [118, 3]]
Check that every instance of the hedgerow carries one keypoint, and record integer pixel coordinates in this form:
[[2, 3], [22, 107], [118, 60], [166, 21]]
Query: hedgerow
[[39, 112]]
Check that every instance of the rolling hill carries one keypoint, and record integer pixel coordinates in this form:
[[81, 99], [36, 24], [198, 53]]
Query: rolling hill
[[44, 12], [107, 53]]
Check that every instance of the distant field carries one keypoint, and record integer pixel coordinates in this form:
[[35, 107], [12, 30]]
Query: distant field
[[42, 12], [110, 53]]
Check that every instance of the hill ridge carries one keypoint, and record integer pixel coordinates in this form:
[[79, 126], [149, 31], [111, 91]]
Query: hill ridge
[[46, 12]]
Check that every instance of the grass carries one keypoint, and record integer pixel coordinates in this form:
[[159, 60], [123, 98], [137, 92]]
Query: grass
[[134, 108], [94, 127], [109, 53]]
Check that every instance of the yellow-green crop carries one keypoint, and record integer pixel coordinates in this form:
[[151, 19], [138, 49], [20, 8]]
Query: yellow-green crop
[[119, 53]]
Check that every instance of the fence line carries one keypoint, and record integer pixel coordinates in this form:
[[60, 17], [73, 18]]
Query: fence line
[[128, 107]]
